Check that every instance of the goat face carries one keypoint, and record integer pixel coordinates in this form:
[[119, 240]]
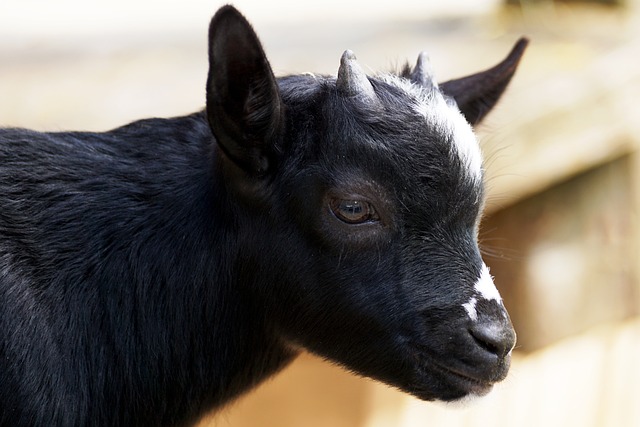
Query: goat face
[[360, 199]]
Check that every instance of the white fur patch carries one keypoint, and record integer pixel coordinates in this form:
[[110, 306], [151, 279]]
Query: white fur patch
[[464, 140], [485, 286], [470, 307], [447, 118]]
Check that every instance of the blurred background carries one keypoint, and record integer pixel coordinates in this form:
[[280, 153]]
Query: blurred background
[[561, 233]]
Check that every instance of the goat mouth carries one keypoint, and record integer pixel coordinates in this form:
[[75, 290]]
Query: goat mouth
[[470, 384], [459, 383]]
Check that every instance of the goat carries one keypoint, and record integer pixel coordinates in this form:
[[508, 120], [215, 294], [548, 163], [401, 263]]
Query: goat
[[155, 272]]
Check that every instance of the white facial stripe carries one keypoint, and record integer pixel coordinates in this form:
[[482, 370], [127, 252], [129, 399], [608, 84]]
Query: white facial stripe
[[470, 307], [485, 286], [446, 117], [465, 141]]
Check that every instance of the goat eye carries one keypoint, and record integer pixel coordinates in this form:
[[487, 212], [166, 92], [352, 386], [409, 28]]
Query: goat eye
[[353, 211]]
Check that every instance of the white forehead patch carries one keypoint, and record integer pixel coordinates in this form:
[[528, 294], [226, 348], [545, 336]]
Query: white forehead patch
[[447, 118], [485, 286], [464, 139]]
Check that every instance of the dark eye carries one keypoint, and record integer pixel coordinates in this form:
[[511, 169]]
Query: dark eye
[[353, 211]]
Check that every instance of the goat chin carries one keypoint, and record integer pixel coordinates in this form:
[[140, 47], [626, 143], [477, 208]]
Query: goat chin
[[466, 402]]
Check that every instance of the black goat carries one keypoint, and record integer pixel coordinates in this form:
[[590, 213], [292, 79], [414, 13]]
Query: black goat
[[157, 271]]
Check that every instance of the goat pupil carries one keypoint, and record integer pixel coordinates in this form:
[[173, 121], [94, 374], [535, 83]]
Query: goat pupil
[[353, 211]]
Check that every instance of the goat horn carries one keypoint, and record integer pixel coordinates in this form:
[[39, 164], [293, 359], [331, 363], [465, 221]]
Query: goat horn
[[352, 80], [422, 74]]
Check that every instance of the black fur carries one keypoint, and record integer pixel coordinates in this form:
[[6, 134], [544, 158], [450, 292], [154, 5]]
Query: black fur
[[148, 274]]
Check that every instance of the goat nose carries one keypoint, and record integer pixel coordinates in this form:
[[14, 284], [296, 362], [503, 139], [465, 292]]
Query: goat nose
[[497, 338]]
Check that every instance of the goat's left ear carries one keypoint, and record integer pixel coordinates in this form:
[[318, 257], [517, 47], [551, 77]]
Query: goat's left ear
[[477, 94], [244, 107]]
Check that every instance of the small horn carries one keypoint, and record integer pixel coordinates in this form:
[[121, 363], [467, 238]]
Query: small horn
[[422, 74], [352, 80]]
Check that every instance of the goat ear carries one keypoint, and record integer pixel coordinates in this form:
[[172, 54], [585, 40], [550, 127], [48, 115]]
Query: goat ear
[[477, 94], [244, 107]]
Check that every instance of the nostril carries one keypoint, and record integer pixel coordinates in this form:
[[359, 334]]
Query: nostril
[[485, 342], [494, 338]]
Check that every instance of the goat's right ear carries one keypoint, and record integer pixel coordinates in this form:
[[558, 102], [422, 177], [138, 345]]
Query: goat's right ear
[[477, 94], [244, 107]]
